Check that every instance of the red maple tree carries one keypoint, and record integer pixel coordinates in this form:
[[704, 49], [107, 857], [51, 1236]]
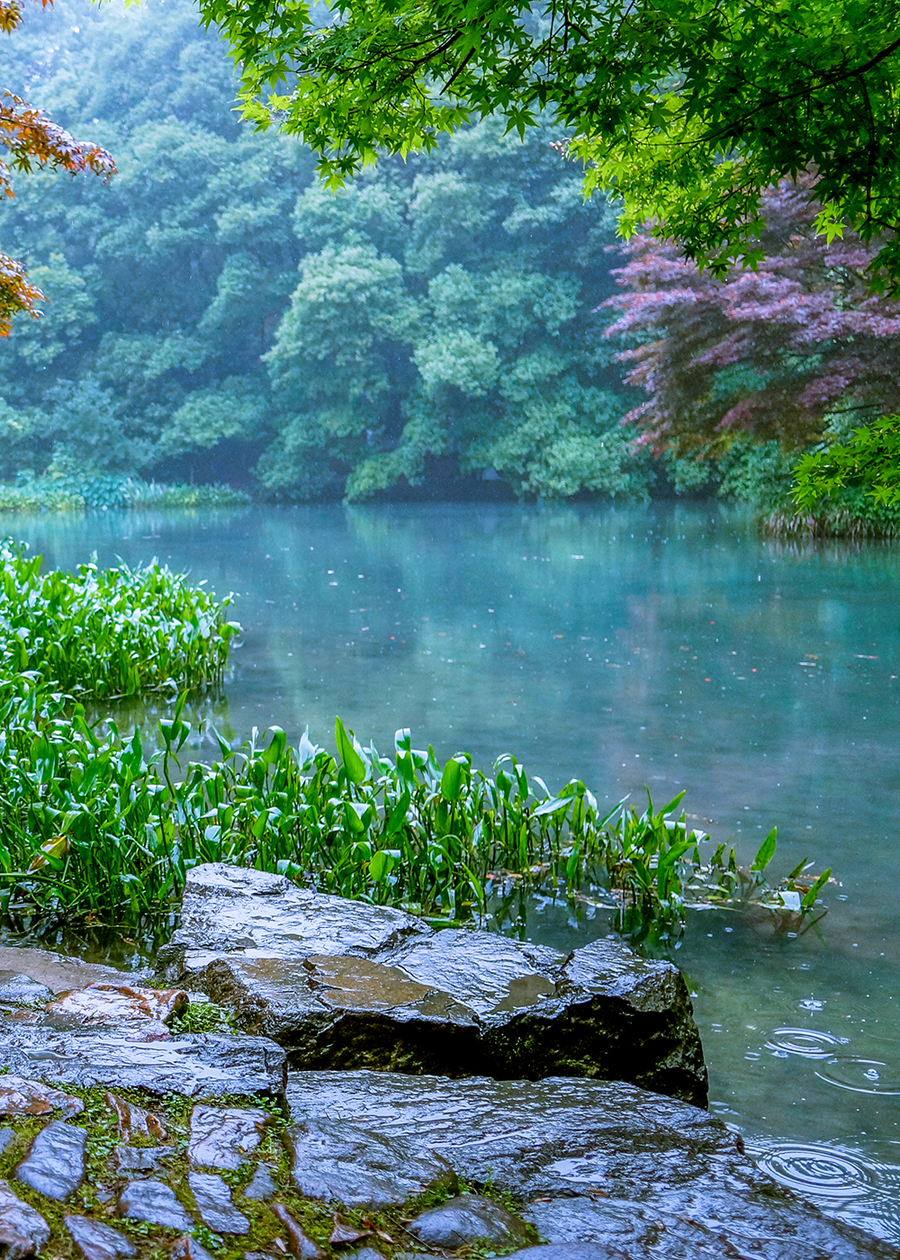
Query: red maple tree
[[31, 140], [769, 352]]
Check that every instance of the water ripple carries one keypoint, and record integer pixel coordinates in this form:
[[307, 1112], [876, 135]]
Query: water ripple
[[862, 1076], [830, 1175], [804, 1042]]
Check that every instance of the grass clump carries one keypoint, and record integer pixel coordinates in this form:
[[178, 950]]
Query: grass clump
[[72, 492], [106, 633], [93, 826]]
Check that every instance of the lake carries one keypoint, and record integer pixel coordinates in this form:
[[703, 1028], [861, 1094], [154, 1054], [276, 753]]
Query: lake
[[665, 647]]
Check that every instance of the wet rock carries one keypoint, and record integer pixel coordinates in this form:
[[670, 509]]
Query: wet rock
[[55, 971], [20, 1221], [602, 1163], [17, 989], [223, 1137], [344, 1233], [187, 1248], [346, 985], [134, 1121], [6, 1136], [569, 1251], [213, 1199], [155, 1202], [55, 1164], [360, 1167], [96, 1241], [22, 1097], [122, 1005], [139, 1159], [465, 1220], [195, 1065], [300, 1245], [261, 1185], [13, 1246]]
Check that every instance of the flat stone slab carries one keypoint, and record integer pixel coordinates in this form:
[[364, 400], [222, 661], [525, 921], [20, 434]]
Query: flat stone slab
[[154, 1202], [55, 1164], [468, 1219], [21, 1220], [198, 1065], [224, 1137], [215, 1205], [602, 1164], [345, 985], [97, 1241], [56, 972], [361, 1167]]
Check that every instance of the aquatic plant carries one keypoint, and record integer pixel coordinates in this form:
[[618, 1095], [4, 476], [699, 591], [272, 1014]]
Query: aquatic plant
[[93, 826], [113, 632]]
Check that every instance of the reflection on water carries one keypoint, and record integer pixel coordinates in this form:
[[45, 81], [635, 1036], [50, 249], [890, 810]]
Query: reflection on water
[[665, 646]]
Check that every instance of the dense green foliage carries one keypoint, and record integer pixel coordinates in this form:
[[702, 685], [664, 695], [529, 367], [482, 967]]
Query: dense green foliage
[[442, 322], [110, 633], [92, 825], [686, 108]]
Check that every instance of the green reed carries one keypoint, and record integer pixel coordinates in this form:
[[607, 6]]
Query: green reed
[[91, 825], [106, 633]]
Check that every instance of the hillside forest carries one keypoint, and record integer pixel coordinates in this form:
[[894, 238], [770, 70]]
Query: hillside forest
[[216, 314]]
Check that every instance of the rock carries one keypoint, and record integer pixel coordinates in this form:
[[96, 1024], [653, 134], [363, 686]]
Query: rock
[[344, 1233], [139, 1159], [22, 1097], [122, 1005], [13, 1246], [595, 1162], [362, 1168], [347, 985], [300, 1245], [195, 1065], [467, 1219], [6, 1136], [223, 1137], [55, 1164], [155, 1202], [569, 1251], [134, 1121], [19, 1220], [261, 1185], [96, 1241], [56, 972], [213, 1199], [17, 989], [187, 1248]]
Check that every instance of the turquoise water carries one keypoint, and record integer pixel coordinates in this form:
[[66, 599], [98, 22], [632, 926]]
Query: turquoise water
[[666, 646]]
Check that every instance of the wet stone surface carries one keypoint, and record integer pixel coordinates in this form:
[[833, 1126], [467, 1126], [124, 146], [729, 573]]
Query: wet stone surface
[[55, 1164], [467, 1219], [215, 1205], [211, 1152], [97, 1241], [345, 985]]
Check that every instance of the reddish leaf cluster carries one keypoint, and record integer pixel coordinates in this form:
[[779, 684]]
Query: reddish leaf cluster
[[32, 139], [768, 352]]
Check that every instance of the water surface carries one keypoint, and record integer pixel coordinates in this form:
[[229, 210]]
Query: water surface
[[667, 647]]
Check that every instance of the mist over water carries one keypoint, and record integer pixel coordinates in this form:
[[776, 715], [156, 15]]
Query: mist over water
[[666, 646]]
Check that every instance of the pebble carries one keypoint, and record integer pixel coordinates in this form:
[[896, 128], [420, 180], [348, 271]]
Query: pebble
[[134, 1121], [20, 1096], [55, 1164], [20, 990], [96, 1241], [155, 1202], [300, 1245], [139, 1159], [187, 1248], [223, 1137], [462, 1221], [215, 1205], [21, 1219], [261, 1185]]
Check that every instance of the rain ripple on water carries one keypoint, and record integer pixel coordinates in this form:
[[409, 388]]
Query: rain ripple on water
[[862, 1076], [805, 1042]]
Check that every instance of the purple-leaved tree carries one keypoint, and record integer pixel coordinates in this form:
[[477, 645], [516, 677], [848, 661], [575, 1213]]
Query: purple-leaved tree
[[770, 352]]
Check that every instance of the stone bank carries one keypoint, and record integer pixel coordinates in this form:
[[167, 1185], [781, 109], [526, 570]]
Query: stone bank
[[547, 1106]]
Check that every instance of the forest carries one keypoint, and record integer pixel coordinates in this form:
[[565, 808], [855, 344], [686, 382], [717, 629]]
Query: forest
[[461, 323]]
